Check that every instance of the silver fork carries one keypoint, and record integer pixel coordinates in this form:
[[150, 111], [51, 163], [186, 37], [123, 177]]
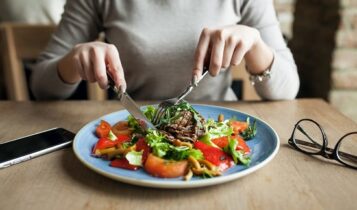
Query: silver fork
[[162, 107]]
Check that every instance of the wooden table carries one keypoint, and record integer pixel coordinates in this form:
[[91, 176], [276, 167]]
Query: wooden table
[[291, 181]]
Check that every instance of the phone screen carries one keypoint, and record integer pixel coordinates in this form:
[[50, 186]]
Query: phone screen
[[34, 143]]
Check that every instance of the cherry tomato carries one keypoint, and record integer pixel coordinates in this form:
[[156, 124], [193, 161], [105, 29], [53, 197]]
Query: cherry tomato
[[165, 168], [238, 126], [103, 129]]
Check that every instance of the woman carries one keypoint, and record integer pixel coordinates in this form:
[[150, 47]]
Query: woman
[[154, 48]]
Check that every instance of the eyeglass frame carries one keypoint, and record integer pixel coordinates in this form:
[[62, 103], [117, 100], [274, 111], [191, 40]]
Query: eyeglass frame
[[325, 151]]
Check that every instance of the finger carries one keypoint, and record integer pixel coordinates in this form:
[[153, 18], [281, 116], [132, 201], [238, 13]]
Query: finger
[[115, 67], [217, 53], [98, 67], [87, 67], [238, 54], [201, 53], [79, 68], [228, 51]]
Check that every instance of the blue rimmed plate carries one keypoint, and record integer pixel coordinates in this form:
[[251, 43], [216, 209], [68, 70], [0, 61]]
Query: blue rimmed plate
[[264, 147]]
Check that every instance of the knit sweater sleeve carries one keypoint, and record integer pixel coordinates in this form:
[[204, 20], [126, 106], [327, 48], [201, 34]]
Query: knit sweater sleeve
[[284, 82], [80, 23]]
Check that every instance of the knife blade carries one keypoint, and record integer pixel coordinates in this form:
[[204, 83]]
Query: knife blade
[[134, 110], [129, 104]]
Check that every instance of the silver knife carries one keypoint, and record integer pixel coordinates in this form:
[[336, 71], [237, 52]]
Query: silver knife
[[134, 110], [129, 104]]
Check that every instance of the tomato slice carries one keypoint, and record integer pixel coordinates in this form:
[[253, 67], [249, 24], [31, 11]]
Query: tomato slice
[[238, 126], [165, 168], [215, 155], [142, 145], [123, 163], [103, 129], [223, 142]]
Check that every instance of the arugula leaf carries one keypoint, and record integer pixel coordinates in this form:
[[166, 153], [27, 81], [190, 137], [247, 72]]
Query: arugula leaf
[[133, 123], [236, 155], [150, 112], [251, 131], [172, 113]]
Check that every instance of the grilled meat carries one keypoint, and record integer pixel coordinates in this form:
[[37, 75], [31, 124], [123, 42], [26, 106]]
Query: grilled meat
[[185, 127]]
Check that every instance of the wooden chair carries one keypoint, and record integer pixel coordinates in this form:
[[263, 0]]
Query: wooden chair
[[21, 42]]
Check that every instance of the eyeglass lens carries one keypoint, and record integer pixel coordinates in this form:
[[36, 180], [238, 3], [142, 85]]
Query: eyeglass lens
[[347, 150], [308, 137]]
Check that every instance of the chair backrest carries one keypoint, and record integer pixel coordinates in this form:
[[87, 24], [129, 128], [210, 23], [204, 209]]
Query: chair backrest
[[20, 42], [25, 42]]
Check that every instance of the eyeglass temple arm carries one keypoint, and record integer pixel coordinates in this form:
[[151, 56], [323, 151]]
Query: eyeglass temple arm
[[343, 154]]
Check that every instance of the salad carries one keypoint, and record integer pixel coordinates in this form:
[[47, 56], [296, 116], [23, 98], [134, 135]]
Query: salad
[[184, 145]]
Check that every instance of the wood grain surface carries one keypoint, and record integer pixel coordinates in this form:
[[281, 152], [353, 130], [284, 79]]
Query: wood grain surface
[[291, 180]]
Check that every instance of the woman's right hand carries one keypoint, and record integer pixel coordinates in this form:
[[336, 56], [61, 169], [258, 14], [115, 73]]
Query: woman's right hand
[[91, 61]]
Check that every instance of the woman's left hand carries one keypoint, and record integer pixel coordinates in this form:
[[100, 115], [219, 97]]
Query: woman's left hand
[[228, 46]]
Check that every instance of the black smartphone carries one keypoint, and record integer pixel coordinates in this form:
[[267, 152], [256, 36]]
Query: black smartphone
[[34, 145]]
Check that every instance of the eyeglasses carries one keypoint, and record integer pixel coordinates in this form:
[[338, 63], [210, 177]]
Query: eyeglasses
[[308, 137]]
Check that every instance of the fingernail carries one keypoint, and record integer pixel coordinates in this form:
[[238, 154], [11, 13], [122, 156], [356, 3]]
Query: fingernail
[[122, 88]]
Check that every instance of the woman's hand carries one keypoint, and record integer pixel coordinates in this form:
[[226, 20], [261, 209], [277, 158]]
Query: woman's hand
[[228, 46], [91, 61]]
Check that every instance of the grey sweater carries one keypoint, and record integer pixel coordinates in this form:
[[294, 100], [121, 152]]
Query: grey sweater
[[156, 40]]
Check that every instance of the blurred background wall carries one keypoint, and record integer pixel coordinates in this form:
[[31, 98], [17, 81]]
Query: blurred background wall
[[37, 12], [322, 35]]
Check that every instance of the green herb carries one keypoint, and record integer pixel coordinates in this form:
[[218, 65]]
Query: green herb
[[251, 130], [172, 113], [133, 124], [150, 112]]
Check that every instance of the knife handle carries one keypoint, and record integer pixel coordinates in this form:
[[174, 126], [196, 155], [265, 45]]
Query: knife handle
[[111, 84]]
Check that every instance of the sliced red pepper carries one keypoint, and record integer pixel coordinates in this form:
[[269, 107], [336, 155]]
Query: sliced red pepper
[[103, 129], [215, 155], [123, 163], [238, 126], [223, 142], [142, 145]]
